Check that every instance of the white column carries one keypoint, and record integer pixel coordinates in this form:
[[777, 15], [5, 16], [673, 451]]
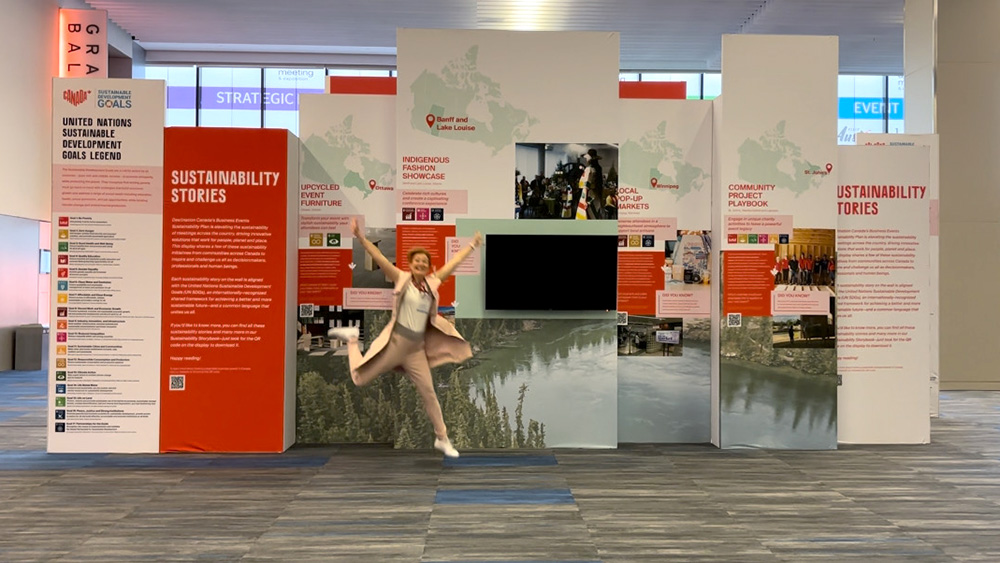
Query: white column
[[919, 51], [28, 41], [968, 121]]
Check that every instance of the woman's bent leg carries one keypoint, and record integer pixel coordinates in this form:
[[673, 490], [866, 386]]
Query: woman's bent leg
[[388, 358], [419, 372]]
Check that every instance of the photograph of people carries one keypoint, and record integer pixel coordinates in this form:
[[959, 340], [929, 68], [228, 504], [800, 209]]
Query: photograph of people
[[565, 181], [416, 337]]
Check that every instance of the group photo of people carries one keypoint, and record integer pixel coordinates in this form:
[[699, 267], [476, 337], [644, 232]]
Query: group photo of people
[[566, 181], [809, 259]]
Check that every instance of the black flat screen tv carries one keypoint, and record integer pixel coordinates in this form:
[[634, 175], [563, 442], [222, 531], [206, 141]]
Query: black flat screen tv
[[551, 272]]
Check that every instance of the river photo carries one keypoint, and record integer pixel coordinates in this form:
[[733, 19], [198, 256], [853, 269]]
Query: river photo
[[775, 398], [666, 399], [567, 370]]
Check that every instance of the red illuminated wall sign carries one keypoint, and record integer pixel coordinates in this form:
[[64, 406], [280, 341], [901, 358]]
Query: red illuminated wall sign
[[83, 43]]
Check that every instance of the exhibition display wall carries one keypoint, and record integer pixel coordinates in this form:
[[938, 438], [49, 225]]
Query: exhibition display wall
[[665, 271], [934, 204], [884, 282], [654, 270], [172, 286], [107, 214], [778, 211]]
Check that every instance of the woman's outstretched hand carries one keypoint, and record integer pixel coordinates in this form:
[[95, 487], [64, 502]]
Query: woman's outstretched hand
[[477, 239], [355, 229]]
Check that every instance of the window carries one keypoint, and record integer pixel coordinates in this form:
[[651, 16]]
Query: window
[[282, 87], [896, 104], [712, 86], [182, 85], [269, 97], [860, 106], [230, 97]]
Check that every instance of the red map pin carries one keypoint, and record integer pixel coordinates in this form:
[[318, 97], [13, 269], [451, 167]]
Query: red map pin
[[829, 167], [430, 119], [652, 182], [371, 184]]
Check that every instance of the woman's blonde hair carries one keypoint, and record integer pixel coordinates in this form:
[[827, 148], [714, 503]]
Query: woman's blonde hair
[[414, 251]]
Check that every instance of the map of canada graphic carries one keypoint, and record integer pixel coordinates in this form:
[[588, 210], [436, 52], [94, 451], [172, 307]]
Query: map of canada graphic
[[341, 157], [773, 159], [461, 92], [653, 156]]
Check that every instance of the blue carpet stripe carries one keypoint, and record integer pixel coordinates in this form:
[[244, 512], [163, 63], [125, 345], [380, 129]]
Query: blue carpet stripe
[[502, 461], [508, 496], [29, 460]]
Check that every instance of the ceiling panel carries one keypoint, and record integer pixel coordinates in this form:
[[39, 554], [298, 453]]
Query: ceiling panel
[[673, 35]]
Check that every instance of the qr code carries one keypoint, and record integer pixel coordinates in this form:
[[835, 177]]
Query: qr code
[[622, 317], [307, 311], [176, 382], [734, 320]]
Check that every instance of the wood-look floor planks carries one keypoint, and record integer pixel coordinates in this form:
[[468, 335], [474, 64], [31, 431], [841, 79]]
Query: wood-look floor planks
[[930, 503]]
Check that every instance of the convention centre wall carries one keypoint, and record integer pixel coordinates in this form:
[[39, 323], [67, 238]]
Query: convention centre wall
[[472, 144]]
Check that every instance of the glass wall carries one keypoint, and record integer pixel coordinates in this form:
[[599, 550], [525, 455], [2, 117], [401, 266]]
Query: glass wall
[[230, 97], [268, 97], [282, 87], [182, 88]]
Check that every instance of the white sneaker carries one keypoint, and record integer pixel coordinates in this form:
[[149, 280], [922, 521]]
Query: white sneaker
[[445, 447], [345, 333]]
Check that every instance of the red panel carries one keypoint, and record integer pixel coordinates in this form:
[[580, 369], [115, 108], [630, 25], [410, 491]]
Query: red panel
[[362, 85], [747, 282], [653, 90], [430, 238], [323, 275], [640, 276], [224, 256]]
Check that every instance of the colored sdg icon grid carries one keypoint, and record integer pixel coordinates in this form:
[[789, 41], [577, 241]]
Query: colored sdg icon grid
[[782, 239], [61, 350], [437, 214], [333, 239], [60, 376], [64, 221], [61, 337], [60, 388], [622, 241], [63, 247], [60, 401], [743, 239], [63, 234], [423, 214], [648, 241], [62, 298], [63, 259], [634, 241], [60, 427], [752, 238], [732, 238], [315, 239], [60, 363], [62, 324], [409, 214], [60, 414], [62, 285]]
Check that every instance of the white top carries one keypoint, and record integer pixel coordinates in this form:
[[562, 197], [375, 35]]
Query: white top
[[415, 309]]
